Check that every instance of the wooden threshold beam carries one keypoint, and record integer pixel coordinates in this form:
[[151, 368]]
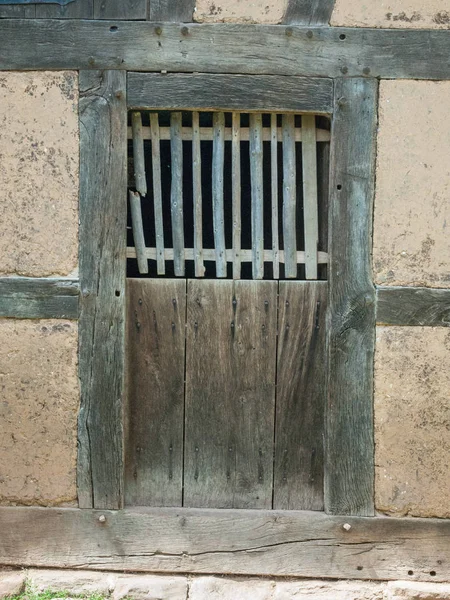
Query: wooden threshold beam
[[38, 298], [413, 306], [238, 542], [33, 44]]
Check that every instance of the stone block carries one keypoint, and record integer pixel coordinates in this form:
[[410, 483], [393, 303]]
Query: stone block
[[39, 401], [150, 587], [412, 208], [403, 14], [72, 582], [415, 590], [329, 590], [12, 583], [240, 11], [218, 588], [412, 421], [39, 173]]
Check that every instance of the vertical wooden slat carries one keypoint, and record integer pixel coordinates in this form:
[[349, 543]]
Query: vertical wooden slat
[[11, 11], [310, 203], [81, 9], [349, 470], [138, 231], [301, 396], [289, 197], [217, 192], [256, 164], [197, 193], [172, 10], [103, 221], [274, 193], [230, 393], [236, 192], [176, 193], [120, 9], [308, 12], [138, 154], [156, 313], [157, 194]]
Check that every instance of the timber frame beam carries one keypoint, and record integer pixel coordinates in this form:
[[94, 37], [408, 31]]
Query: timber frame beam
[[36, 44]]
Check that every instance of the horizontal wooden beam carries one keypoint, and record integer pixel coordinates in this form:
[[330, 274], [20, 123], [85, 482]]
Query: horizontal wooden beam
[[32, 298], [413, 306], [30, 44], [239, 542], [229, 92]]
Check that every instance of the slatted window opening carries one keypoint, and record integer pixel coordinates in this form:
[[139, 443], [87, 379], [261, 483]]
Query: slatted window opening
[[227, 195]]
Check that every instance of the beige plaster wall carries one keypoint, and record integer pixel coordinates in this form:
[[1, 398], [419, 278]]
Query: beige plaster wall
[[39, 400], [39, 173], [412, 200], [429, 14], [240, 11], [412, 421]]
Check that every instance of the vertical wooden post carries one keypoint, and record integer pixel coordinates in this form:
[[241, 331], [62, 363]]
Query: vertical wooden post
[[176, 193], [236, 193], [103, 220], [138, 154], [217, 193], [349, 471], [289, 197], [256, 172], [310, 203], [274, 192], [157, 194], [197, 193]]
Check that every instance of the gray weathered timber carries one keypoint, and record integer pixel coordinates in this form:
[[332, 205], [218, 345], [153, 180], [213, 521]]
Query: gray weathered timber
[[308, 12], [274, 194], [257, 198], [156, 316], [230, 393], [236, 192], [120, 9], [197, 195], [206, 91], [289, 198], [218, 161], [349, 464], [176, 193], [10, 11], [225, 48], [310, 205], [140, 177], [103, 220], [157, 193], [323, 176], [301, 395], [79, 9], [33, 298], [413, 306], [138, 231], [177, 11], [241, 542]]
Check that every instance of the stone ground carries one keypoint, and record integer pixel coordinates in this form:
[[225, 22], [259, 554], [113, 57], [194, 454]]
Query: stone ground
[[114, 586]]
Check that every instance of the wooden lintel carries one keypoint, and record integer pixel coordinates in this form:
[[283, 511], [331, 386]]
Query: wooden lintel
[[238, 542], [33, 44], [38, 298], [413, 306]]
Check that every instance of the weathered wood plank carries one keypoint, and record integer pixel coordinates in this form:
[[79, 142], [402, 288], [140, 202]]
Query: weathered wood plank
[[240, 542], [236, 193], [197, 193], [10, 11], [206, 134], [156, 315], [274, 194], [413, 306], [204, 91], [218, 161], [138, 231], [103, 220], [323, 192], [33, 298], [138, 154], [79, 9], [309, 12], [177, 11], [157, 193], [226, 48], [349, 466], [310, 200], [120, 9], [230, 393], [257, 199], [301, 395], [289, 198], [176, 193]]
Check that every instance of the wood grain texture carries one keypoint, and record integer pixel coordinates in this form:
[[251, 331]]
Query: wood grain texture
[[301, 396], [157, 193], [230, 393], [203, 91], [197, 195], [310, 200], [245, 542], [308, 12], [9, 11], [413, 306], [138, 231], [120, 9], [103, 220], [257, 198], [176, 193], [349, 466], [79, 9], [177, 11], [289, 198], [218, 162], [140, 177], [226, 48], [156, 314], [236, 192], [274, 194], [31, 298]]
